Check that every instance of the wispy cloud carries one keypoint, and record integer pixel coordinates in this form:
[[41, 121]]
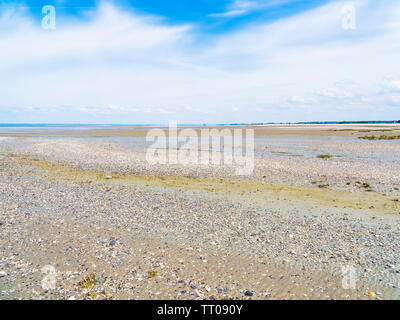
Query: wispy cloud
[[242, 7], [238, 7]]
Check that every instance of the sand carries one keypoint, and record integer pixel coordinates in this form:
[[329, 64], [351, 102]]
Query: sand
[[114, 227]]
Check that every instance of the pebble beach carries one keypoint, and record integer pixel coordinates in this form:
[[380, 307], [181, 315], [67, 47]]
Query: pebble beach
[[86, 205]]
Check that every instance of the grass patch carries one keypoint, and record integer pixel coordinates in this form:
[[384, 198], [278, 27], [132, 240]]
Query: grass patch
[[324, 156], [92, 295], [383, 137], [91, 280], [151, 274], [364, 130], [88, 281]]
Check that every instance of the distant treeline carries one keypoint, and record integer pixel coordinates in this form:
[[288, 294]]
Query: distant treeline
[[317, 122]]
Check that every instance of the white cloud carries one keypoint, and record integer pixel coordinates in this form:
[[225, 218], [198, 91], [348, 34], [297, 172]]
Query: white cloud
[[238, 7], [115, 107], [241, 7], [230, 13], [395, 85], [119, 66]]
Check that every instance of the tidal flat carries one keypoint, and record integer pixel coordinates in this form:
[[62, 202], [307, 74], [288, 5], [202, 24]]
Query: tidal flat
[[87, 203]]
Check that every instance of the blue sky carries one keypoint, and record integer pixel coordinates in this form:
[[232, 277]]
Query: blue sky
[[208, 17], [211, 61], [201, 12]]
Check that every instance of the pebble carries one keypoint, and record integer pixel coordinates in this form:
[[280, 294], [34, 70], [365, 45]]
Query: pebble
[[248, 293]]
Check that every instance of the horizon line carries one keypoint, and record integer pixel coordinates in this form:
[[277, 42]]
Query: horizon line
[[33, 124]]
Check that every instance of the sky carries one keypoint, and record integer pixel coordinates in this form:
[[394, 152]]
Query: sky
[[199, 61]]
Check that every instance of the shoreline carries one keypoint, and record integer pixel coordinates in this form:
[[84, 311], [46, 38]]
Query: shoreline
[[259, 130]]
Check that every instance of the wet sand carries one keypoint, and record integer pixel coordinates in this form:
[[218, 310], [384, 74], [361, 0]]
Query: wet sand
[[261, 130]]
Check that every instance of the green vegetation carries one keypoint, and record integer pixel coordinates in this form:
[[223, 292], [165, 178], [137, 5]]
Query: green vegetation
[[364, 130], [324, 156], [92, 295], [88, 281], [91, 280], [151, 274], [383, 137]]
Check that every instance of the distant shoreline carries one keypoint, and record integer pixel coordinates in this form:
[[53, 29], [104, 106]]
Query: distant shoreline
[[193, 125], [309, 129]]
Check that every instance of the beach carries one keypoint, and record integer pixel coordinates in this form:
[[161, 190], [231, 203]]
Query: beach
[[321, 200]]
